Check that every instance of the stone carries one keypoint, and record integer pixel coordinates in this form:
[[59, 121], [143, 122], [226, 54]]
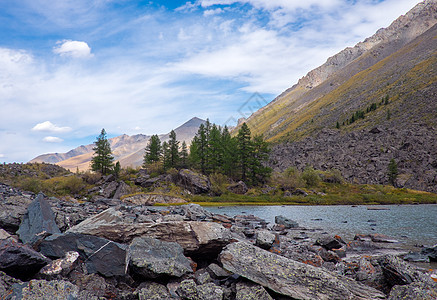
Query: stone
[[281, 220], [238, 188], [382, 238], [42, 290], [399, 272], [202, 276], [416, 257], [91, 285], [193, 212], [430, 252], [100, 255], [38, 222], [6, 283], [4, 235], [291, 278], [264, 239], [152, 199], [122, 190], [152, 258], [330, 243], [218, 272], [190, 291], [12, 210], [59, 267], [19, 260], [194, 182], [153, 291], [250, 291], [415, 290]]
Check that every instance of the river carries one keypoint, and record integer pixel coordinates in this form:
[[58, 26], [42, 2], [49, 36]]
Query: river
[[410, 224]]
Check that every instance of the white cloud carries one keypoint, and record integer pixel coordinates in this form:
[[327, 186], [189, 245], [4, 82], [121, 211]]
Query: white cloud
[[2, 155], [74, 49], [52, 139], [211, 12], [50, 127]]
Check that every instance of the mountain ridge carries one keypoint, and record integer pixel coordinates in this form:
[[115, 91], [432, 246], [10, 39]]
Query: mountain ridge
[[128, 150]]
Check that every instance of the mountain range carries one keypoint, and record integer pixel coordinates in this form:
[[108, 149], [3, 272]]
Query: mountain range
[[128, 150]]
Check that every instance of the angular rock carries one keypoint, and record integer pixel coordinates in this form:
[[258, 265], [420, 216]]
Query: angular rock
[[291, 278], [238, 188], [399, 272], [42, 289], [152, 198], [6, 283], [264, 239], [38, 222], [416, 257], [190, 291], [122, 190], [100, 255], [194, 182], [19, 260], [330, 243], [12, 210], [91, 285], [281, 220], [152, 258], [250, 291], [202, 276], [218, 272], [153, 291], [431, 252], [59, 267], [193, 212], [382, 238], [415, 290]]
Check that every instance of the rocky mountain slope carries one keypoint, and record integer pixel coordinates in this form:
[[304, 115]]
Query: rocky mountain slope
[[128, 150], [389, 81]]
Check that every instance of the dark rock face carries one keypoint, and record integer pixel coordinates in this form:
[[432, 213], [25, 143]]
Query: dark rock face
[[193, 212], [100, 255], [415, 290], [363, 157], [19, 260], [194, 182], [152, 258], [153, 291], [291, 278], [190, 291], [37, 222], [59, 267], [330, 243], [281, 220], [238, 188], [249, 291], [13, 204], [430, 252], [6, 283]]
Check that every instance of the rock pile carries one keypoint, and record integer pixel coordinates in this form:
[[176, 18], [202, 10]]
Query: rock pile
[[185, 252]]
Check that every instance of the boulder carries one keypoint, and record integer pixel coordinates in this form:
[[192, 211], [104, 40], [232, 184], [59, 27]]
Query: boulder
[[122, 190], [430, 252], [250, 291], [108, 189], [153, 291], [12, 210], [415, 290], [41, 289], [151, 199], [330, 243], [100, 255], [193, 212], [264, 239], [194, 182], [217, 272], [202, 276], [152, 258], [281, 220], [238, 188], [291, 278], [190, 291], [382, 238], [59, 267], [416, 257], [6, 283], [19, 260], [38, 221]]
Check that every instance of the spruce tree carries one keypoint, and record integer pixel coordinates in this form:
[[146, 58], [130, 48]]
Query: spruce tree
[[166, 156], [198, 149], [244, 148], [229, 146], [153, 151], [184, 155], [260, 154], [173, 145], [102, 160], [392, 172]]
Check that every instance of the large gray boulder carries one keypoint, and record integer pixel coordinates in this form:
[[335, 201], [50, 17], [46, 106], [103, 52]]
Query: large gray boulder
[[281, 220], [415, 290], [190, 291], [12, 210], [153, 291], [42, 290], [249, 291], [38, 221], [19, 260], [291, 278], [152, 258], [100, 255], [194, 182]]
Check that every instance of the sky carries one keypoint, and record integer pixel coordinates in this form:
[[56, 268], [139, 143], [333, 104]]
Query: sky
[[69, 68]]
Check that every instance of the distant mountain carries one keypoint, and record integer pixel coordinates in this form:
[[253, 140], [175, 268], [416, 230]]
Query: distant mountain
[[128, 150], [311, 123]]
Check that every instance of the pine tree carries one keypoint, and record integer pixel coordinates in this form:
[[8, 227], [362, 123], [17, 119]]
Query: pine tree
[[103, 160], [260, 154], [229, 146], [166, 156], [215, 150], [173, 145], [244, 148], [184, 155], [153, 151], [117, 169], [198, 149], [392, 172]]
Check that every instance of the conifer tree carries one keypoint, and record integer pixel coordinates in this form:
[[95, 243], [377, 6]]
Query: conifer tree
[[102, 160], [198, 149], [260, 154], [153, 151], [184, 155], [173, 145], [244, 148], [230, 158], [166, 156], [392, 172]]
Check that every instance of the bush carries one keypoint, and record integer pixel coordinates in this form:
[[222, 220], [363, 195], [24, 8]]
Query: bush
[[91, 178], [61, 186], [311, 177], [30, 184], [332, 176], [290, 179], [219, 182]]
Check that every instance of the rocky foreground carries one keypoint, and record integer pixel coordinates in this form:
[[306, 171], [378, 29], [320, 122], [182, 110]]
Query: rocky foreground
[[52, 249]]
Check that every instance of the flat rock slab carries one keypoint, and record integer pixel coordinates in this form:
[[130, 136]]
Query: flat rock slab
[[100, 255], [42, 290], [152, 258], [291, 278]]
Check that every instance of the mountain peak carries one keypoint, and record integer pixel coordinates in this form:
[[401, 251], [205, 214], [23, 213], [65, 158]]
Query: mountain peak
[[193, 122]]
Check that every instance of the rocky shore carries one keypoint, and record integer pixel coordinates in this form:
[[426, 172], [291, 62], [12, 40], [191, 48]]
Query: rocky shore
[[108, 249]]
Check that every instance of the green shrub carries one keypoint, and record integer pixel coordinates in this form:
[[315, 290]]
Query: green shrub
[[30, 184], [311, 177], [219, 182], [290, 179]]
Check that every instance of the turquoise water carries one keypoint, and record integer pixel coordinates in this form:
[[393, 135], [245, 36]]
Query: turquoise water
[[411, 224]]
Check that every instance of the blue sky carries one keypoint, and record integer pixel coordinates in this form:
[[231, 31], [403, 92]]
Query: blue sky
[[69, 68]]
